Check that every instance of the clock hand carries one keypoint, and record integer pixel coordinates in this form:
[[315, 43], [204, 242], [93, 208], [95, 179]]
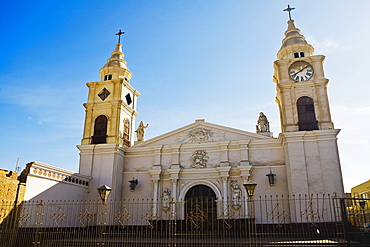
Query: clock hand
[[300, 70]]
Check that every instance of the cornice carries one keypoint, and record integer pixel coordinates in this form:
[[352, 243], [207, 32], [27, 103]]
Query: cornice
[[113, 81], [49, 172], [314, 135], [102, 148]]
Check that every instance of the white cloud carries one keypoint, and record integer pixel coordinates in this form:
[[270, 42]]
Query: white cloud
[[327, 45]]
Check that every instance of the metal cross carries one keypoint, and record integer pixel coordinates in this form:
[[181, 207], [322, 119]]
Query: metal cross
[[289, 9], [119, 36]]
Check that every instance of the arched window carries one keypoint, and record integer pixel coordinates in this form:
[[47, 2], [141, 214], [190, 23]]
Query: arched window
[[107, 77], [126, 133], [100, 130], [306, 114]]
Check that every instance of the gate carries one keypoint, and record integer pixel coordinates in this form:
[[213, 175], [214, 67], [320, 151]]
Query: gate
[[356, 220], [200, 210], [200, 219]]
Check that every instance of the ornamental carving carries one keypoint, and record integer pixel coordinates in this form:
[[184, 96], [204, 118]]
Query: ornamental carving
[[199, 159], [201, 134]]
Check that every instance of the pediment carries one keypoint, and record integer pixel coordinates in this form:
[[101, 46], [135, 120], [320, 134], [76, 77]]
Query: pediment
[[201, 132]]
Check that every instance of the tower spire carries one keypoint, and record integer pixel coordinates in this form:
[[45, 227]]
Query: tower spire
[[294, 42]]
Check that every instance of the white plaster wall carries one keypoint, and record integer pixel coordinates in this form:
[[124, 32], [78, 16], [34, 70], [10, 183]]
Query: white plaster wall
[[263, 187], [45, 189], [268, 156], [143, 190], [138, 163]]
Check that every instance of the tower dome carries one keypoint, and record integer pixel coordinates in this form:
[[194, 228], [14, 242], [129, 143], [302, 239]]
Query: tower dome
[[294, 44], [116, 66]]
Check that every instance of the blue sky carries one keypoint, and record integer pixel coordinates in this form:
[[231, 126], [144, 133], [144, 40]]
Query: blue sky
[[189, 59]]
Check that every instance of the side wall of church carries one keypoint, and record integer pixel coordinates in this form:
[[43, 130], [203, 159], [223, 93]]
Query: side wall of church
[[45, 182], [44, 189]]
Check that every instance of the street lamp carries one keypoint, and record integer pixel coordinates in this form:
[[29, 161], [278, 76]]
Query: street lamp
[[133, 184], [250, 187], [271, 178], [104, 192]]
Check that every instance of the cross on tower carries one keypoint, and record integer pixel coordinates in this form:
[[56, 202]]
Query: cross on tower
[[289, 9], [119, 36]]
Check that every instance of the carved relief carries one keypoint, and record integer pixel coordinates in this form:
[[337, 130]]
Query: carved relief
[[199, 159], [201, 134]]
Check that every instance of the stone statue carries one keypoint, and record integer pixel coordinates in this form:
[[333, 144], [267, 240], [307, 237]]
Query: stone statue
[[235, 194], [166, 196], [140, 131], [263, 124]]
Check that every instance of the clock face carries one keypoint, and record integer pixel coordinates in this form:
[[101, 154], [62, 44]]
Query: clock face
[[301, 71]]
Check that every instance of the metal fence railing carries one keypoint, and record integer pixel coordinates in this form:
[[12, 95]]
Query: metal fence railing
[[264, 221]]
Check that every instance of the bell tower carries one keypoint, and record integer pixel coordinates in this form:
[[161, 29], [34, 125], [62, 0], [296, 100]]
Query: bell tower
[[308, 135], [301, 85], [111, 105], [109, 124]]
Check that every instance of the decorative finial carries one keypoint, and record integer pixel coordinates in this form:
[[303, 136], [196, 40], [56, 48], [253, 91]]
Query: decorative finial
[[120, 33], [289, 9]]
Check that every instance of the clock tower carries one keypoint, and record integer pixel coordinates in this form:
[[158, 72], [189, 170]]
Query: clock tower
[[301, 85], [308, 135], [109, 124]]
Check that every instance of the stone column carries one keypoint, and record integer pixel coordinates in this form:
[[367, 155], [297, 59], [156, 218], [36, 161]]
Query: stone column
[[155, 196], [156, 174], [245, 173], [224, 175], [174, 172], [244, 152], [224, 153]]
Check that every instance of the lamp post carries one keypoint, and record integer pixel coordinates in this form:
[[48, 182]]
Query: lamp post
[[250, 187], [104, 192]]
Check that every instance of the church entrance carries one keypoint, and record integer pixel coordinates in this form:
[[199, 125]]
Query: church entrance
[[200, 209]]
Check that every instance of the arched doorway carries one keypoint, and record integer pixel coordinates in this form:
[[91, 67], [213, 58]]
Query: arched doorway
[[200, 209]]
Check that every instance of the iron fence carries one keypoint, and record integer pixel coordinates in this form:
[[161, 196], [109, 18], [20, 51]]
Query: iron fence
[[315, 220]]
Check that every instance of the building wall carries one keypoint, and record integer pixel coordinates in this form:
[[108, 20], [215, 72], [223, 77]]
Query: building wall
[[11, 192], [361, 190], [45, 182]]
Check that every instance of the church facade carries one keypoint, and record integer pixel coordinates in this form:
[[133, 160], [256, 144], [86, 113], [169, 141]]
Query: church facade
[[205, 157]]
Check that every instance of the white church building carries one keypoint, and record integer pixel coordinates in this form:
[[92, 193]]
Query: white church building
[[216, 160]]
